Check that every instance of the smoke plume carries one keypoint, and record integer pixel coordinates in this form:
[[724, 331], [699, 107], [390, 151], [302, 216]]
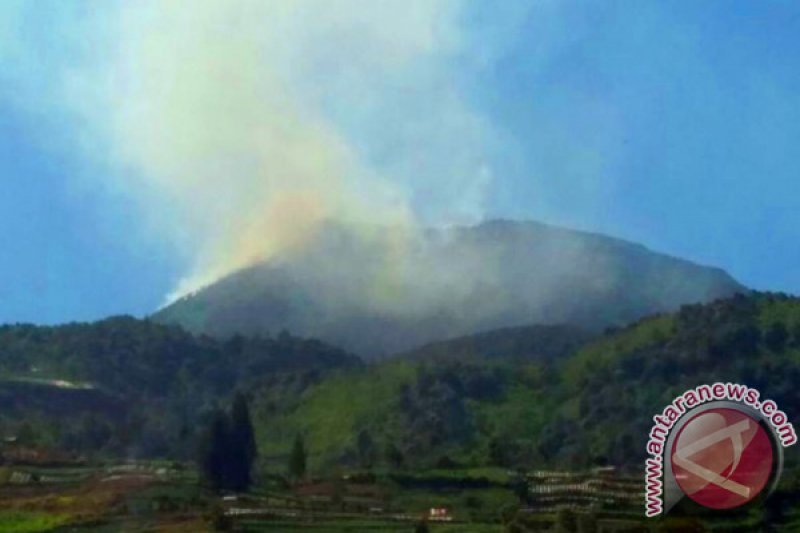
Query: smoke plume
[[242, 127]]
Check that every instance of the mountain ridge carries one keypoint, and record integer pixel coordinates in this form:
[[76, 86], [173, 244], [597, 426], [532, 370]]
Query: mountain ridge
[[451, 282]]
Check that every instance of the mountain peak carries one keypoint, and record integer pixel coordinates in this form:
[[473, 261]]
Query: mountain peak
[[384, 294]]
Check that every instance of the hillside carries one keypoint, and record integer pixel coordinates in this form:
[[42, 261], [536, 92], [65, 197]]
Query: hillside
[[613, 387], [594, 406], [133, 387], [386, 294], [456, 399], [530, 397], [518, 343]]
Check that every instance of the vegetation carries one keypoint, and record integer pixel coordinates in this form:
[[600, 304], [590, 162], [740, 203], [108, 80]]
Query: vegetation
[[517, 343], [443, 405], [612, 388], [594, 406], [131, 387], [451, 429], [29, 522], [297, 459], [228, 449], [241, 445]]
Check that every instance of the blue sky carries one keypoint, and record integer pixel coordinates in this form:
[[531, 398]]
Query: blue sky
[[674, 124], [667, 123], [68, 252]]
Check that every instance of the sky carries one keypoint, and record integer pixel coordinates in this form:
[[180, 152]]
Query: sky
[[147, 148]]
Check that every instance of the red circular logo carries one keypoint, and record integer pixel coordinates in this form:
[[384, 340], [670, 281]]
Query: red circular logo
[[722, 458]]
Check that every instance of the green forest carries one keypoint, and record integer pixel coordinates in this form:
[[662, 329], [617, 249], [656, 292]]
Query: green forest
[[521, 397], [295, 428]]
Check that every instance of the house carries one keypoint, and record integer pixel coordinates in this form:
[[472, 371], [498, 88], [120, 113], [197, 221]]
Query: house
[[439, 514]]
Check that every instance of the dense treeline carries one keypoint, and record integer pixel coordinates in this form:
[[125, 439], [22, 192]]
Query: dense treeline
[[135, 387], [593, 406], [524, 342], [228, 449], [139, 357], [614, 387], [471, 402]]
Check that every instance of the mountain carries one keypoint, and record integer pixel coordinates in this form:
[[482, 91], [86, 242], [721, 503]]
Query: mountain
[[593, 406], [386, 293]]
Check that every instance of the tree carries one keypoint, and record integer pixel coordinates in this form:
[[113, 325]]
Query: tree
[[214, 452], [297, 459], [338, 493], [235, 345], [93, 432], [228, 449], [218, 519], [508, 513], [776, 337], [394, 456], [521, 490], [499, 452], [566, 521], [241, 445], [587, 523], [796, 334], [27, 434], [366, 449]]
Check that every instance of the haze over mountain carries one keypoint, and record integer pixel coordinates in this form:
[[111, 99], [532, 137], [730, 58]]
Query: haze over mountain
[[385, 291]]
